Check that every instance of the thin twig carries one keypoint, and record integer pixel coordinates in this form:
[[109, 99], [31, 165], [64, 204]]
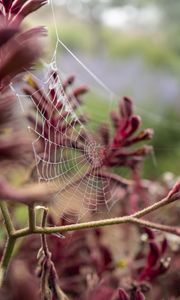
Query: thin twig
[[165, 201], [32, 217], [8, 250], [170, 229], [113, 221], [6, 258], [7, 219], [43, 236]]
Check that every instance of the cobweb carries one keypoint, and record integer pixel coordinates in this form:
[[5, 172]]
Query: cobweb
[[68, 156], [71, 159]]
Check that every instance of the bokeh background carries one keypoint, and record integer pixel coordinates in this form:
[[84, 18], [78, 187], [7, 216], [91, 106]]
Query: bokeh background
[[133, 46]]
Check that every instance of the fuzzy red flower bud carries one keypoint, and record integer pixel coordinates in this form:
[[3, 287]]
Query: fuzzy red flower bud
[[154, 254], [115, 119], [80, 91], [135, 123], [69, 81], [139, 295], [126, 107], [123, 295], [104, 132], [21, 9], [174, 194]]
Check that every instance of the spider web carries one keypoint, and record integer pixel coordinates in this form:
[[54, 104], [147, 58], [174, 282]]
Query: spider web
[[70, 159]]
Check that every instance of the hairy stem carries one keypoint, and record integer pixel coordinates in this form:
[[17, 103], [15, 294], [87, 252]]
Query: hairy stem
[[32, 218], [165, 201], [6, 217], [101, 223], [113, 221], [8, 250], [43, 236], [170, 229]]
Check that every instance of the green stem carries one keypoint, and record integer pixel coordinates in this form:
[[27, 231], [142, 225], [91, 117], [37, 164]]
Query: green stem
[[8, 250], [43, 236], [170, 229], [153, 207], [101, 223], [113, 221], [32, 218], [7, 219]]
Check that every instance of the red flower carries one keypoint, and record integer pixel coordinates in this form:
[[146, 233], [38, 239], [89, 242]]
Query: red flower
[[156, 262], [125, 125], [15, 11]]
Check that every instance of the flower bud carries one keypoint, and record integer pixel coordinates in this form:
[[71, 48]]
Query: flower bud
[[126, 107], [123, 295]]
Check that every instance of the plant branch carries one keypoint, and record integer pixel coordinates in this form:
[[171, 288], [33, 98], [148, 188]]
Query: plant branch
[[133, 219], [94, 224], [32, 218], [7, 219], [170, 229], [43, 236], [6, 258], [8, 250], [105, 222], [165, 201], [113, 221]]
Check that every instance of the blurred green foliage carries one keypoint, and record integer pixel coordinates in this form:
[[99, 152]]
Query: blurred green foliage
[[116, 44], [74, 35], [166, 143]]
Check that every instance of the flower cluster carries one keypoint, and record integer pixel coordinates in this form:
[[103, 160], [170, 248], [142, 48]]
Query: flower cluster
[[14, 11], [126, 125], [156, 263], [55, 127], [135, 295], [17, 47], [18, 54]]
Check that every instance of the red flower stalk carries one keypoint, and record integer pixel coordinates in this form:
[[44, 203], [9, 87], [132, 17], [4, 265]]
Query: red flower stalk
[[18, 52], [78, 259], [125, 126], [156, 262], [17, 47], [123, 295], [137, 295]]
